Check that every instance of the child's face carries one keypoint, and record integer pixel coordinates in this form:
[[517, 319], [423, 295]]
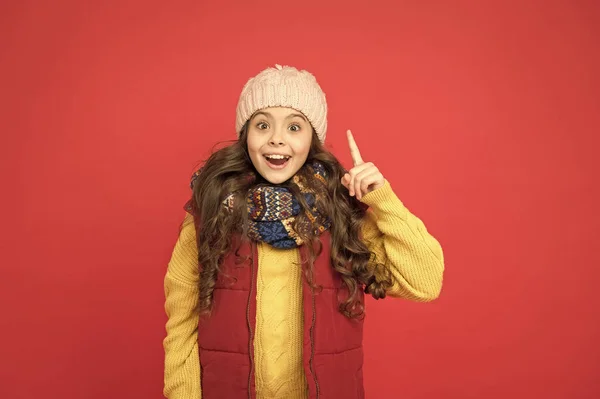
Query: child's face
[[278, 142]]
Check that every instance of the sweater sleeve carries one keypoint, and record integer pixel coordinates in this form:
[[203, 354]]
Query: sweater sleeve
[[182, 364], [401, 242]]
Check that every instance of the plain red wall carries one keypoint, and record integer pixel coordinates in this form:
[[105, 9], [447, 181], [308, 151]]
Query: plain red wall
[[483, 115]]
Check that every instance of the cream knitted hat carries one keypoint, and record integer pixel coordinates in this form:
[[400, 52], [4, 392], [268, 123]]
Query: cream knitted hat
[[284, 87]]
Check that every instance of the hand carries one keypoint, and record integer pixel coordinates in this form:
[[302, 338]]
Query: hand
[[363, 177]]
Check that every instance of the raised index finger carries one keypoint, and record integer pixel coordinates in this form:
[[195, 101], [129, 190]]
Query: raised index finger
[[354, 152]]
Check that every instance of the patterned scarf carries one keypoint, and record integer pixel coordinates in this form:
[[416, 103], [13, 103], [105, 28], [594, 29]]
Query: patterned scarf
[[272, 211]]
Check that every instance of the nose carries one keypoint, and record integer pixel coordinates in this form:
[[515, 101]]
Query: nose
[[276, 138]]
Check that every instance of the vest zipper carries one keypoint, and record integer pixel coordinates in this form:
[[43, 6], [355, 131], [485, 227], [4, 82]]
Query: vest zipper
[[312, 340], [250, 336]]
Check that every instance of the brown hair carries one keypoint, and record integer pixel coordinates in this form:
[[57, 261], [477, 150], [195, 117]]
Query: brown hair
[[230, 170]]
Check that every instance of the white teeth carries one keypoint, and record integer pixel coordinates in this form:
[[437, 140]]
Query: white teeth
[[277, 156]]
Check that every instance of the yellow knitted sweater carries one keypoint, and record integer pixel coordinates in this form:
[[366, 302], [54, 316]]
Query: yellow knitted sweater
[[390, 230]]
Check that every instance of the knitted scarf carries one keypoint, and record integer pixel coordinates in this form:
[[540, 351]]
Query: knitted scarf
[[272, 211]]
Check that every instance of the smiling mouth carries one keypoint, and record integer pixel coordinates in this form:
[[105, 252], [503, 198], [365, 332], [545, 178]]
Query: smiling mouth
[[277, 161]]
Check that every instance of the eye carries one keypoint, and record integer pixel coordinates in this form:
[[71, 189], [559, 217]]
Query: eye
[[295, 128], [262, 125]]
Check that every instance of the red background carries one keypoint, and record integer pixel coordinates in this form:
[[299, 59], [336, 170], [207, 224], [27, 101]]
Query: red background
[[483, 116]]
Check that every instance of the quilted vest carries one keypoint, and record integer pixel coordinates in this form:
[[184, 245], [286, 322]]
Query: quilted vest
[[332, 351]]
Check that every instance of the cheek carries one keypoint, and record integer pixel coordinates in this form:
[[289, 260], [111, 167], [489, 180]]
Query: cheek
[[253, 144], [253, 151], [302, 147]]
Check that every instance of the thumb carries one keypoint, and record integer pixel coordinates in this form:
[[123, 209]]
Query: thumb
[[346, 180]]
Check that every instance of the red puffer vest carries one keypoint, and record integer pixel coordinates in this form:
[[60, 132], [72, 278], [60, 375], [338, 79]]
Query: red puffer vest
[[333, 354]]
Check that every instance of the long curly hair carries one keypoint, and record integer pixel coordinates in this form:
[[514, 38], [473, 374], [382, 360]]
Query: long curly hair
[[230, 170]]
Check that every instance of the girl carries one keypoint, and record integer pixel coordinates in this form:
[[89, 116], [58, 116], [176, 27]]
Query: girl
[[288, 243]]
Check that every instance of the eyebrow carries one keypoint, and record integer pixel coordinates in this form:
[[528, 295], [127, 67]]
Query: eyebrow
[[298, 115], [268, 115]]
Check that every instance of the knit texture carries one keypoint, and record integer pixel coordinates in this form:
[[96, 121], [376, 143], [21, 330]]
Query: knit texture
[[278, 342], [284, 87], [272, 211], [182, 362], [399, 239]]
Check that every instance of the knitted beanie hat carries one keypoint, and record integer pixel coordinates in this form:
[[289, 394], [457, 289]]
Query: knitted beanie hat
[[284, 87]]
